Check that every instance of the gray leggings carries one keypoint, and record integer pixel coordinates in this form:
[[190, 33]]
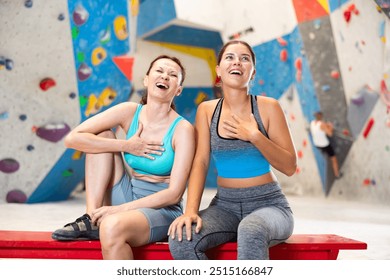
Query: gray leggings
[[257, 217]]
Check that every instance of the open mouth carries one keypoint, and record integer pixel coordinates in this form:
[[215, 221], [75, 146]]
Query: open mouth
[[235, 72], [162, 86]]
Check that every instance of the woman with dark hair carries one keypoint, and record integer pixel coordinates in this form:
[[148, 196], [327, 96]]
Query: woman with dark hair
[[129, 210], [246, 135]]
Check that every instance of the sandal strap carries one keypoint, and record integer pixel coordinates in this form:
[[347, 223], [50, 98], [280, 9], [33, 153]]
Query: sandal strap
[[86, 219]]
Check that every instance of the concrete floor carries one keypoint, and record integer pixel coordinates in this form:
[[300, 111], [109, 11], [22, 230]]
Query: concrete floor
[[364, 222]]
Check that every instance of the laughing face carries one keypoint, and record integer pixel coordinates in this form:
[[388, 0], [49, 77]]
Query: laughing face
[[236, 67], [164, 79]]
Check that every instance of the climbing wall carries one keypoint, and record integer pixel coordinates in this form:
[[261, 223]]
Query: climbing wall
[[36, 94], [59, 68], [363, 58], [72, 59]]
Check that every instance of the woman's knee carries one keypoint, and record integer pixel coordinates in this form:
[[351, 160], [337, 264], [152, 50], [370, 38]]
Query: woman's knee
[[253, 229], [183, 249], [110, 231]]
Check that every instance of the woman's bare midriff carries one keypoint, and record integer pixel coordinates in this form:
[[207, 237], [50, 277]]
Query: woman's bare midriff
[[246, 182], [151, 178]]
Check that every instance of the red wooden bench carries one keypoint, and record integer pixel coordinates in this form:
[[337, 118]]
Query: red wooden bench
[[40, 245]]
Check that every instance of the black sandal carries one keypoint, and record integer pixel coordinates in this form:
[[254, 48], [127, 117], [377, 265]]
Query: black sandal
[[81, 229]]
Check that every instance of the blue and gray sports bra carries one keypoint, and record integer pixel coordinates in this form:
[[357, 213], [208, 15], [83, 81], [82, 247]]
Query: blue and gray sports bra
[[162, 164], [235, 158]]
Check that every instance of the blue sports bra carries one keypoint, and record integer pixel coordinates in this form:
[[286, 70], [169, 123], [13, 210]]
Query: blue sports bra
[[235, 158], [162, 164]]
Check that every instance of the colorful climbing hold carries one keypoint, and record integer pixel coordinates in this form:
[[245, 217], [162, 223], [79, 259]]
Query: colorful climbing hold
[[125, 65], [53, 132], [61, 17], [84, 72], [67, 173], [16, 196], [2, 62], [120, 27], [72, 95], [283, 55], [77, 155], [47, 83], [366, 182], [200, 97], [351, 9], [335, 74], [382, 35], [105, 36], [107, 96], [28, 3], [93, 106], [80, 15], [83, 100], [80, 56], [30, 148], [282, 42], [98, 55], [75, 32], [298, 63], [23, 117], [4, 115], [9, 165], [325, 88], [298, 75], [9, 64], [368, 128], [317, 24], [347, 16], [346, 132]]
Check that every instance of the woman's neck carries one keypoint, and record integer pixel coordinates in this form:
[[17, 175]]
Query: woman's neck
[[156, 114], [236, 99]]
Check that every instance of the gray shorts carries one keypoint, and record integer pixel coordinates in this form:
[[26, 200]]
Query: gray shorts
[[129, 189]]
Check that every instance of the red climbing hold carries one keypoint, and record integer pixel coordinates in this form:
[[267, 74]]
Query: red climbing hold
[[368, 128], [335, 74], [47, 83], [347, 16]]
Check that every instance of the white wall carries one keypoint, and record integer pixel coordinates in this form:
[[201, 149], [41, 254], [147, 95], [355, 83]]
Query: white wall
[[269, 18]]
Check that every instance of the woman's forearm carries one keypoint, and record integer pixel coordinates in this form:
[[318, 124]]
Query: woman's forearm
[[90, 143]]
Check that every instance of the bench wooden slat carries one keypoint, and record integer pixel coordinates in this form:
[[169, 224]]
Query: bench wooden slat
[[40, 245]]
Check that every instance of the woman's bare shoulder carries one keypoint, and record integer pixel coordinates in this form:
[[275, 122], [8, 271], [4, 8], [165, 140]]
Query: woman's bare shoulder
[[208, 105], [267, 101]]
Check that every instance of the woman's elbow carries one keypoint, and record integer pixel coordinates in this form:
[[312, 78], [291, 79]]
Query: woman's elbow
[[292, 168], [68, 140], [175, 199]]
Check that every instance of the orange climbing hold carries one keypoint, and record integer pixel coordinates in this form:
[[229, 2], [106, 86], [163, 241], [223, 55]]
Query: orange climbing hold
[[283, 55], [282, 42], [125, 65], [47, 83], [298, 63]]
